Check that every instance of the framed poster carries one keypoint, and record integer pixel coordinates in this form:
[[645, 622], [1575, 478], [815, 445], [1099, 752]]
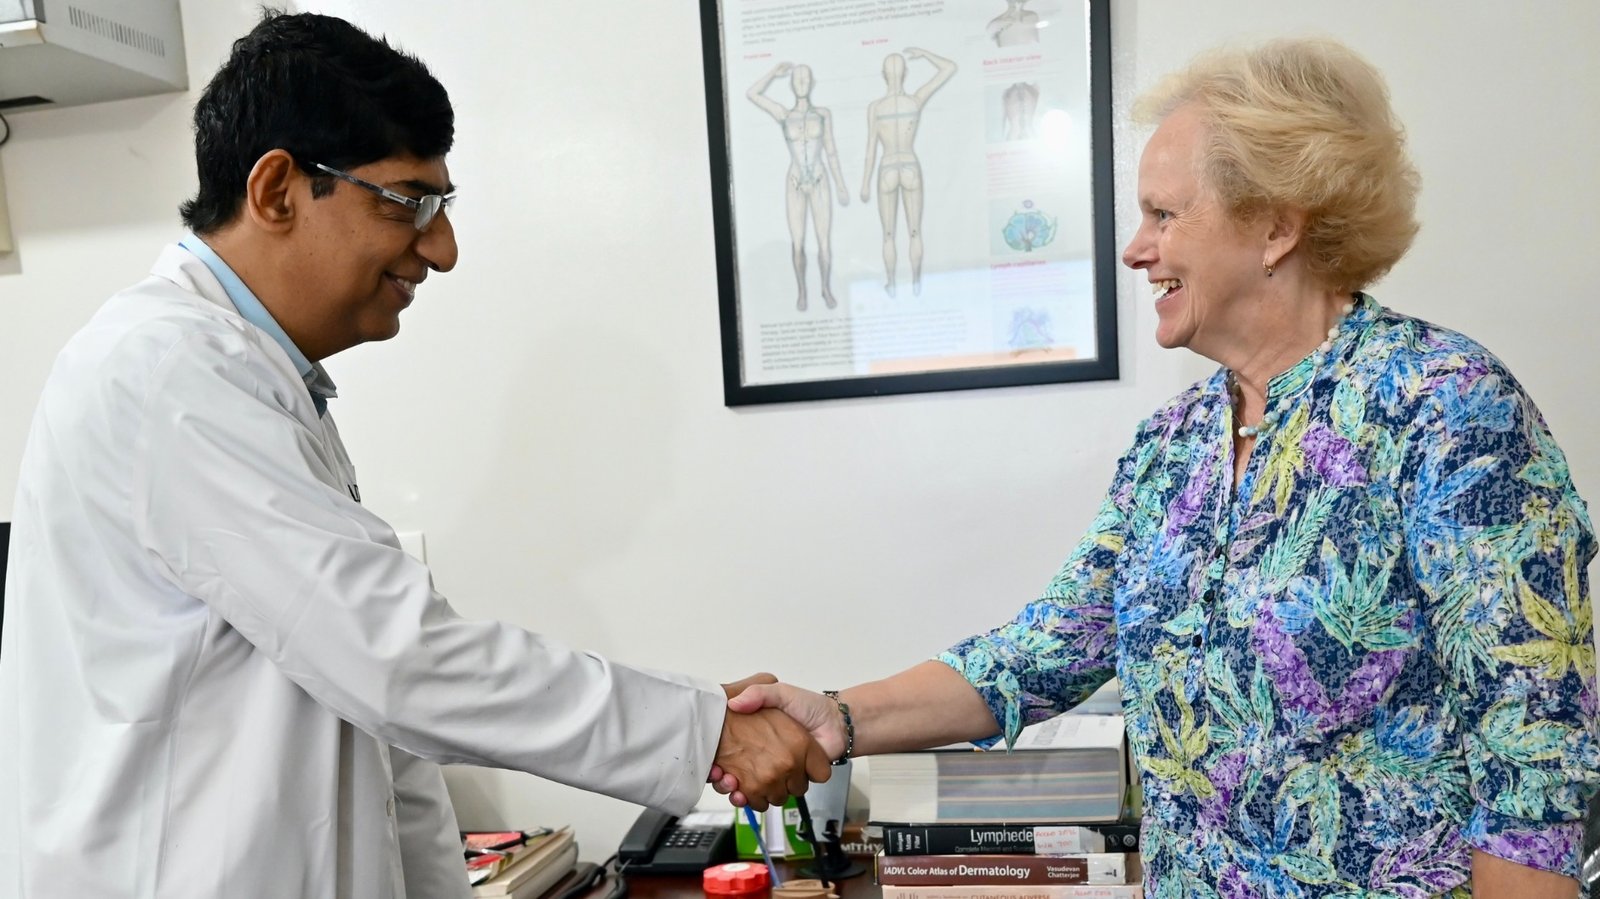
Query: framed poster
[[910, 195]]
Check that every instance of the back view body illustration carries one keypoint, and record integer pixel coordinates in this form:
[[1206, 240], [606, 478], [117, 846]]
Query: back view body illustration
[[808, 192], [1021, 105], [892, 122]]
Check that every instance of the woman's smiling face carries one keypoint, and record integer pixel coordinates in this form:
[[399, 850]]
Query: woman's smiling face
[[1199, 259]]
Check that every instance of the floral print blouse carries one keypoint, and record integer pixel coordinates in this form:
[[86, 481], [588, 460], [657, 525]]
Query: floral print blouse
[[1371, 657]]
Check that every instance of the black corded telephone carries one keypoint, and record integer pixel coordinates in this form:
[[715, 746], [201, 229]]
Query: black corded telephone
[[658, 844]]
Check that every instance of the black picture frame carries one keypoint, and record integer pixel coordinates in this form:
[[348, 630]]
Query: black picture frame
[[1103, 365], [5, 550]]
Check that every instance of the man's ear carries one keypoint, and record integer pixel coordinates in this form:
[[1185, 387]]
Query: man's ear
[[1285, 227], [269, 191]]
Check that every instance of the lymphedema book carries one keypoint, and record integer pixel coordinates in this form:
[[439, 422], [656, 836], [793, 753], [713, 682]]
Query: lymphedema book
[[1008, 839]]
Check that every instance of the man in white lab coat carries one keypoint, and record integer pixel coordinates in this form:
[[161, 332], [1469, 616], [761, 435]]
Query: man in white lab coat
[[220, 674]]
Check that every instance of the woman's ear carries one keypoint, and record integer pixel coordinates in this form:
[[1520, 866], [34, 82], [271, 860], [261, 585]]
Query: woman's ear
[[1285, 226], [269, 195]]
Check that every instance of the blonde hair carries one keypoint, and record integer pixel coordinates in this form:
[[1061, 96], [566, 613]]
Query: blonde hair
[[1306, 124]]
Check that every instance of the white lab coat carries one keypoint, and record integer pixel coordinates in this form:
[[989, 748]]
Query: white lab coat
[[221, 677]]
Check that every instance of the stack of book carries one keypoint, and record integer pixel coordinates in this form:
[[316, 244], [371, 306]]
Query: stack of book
[[1043, 821], [518, 864], [1009, 861], [1072, 768]]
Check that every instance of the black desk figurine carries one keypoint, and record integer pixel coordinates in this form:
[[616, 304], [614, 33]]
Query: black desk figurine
[[830, 865]]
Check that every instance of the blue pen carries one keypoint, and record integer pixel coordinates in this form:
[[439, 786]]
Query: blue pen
[[755, 825]]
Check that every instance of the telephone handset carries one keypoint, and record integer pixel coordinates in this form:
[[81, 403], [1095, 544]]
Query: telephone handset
[[658, 844]]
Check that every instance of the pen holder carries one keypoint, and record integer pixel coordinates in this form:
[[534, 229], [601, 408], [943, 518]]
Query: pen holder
[[803, 889]]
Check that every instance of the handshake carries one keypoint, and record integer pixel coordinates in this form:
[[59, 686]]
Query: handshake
[[776, 739]]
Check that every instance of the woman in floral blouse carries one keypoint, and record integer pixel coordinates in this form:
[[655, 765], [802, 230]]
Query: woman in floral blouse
[[1343, 579]]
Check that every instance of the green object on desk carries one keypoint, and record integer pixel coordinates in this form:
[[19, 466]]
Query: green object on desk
[[795, 846]]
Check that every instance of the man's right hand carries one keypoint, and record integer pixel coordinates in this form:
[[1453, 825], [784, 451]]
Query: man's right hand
[[816, 713], [769, 756]]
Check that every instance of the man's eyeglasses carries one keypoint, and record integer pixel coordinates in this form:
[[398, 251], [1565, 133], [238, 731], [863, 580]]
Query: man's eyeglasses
[[427, 207]]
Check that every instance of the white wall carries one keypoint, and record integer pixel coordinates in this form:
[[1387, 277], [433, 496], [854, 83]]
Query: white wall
[[551, 415]]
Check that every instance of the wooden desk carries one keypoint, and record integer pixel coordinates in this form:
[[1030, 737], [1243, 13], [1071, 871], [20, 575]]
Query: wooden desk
[[687, 886]]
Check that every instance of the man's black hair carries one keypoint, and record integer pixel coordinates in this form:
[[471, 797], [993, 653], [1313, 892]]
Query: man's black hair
[[320, 88]]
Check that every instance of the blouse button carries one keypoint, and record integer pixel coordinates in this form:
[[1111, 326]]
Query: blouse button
[[1197, 641]]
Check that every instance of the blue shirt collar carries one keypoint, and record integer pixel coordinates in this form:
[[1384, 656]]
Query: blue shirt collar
[[250, 309]]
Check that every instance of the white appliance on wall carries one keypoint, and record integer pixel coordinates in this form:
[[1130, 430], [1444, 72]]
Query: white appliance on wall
[[71, 52]]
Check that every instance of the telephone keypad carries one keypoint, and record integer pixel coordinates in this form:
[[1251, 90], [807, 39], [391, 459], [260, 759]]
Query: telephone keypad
[[685, 838]]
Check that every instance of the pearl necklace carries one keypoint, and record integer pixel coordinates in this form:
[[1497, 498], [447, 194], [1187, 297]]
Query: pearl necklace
[[1269, 421]]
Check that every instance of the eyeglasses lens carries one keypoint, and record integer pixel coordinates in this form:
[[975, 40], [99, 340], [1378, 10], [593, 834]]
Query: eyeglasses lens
[[427, 208]]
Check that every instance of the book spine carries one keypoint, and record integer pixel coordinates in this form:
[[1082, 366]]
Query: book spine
[[999, 839], [861, 840], [994, 870], [1041, 891], [1120, 837], [957, 840]]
